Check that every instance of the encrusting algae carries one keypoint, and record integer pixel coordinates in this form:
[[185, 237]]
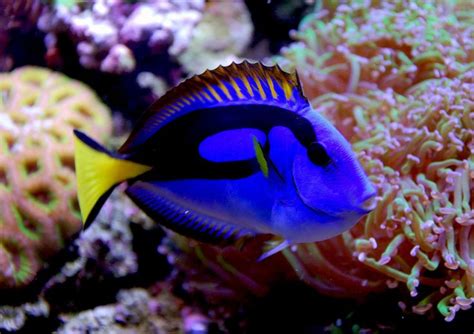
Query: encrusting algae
[[398, 80], [38, 204]]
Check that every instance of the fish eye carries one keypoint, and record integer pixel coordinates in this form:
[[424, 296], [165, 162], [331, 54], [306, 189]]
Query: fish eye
[[318, 155]]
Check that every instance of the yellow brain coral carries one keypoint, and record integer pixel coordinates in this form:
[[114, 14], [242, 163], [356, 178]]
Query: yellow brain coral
[[38, 206]]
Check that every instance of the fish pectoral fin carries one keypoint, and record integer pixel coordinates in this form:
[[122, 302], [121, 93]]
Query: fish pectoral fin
[[273, 249], [166, 211], [262, 162]]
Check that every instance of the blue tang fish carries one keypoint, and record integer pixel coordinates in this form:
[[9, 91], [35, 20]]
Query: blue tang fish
[[228, 154]]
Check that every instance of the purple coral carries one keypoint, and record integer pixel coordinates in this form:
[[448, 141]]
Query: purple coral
[[108, 31]]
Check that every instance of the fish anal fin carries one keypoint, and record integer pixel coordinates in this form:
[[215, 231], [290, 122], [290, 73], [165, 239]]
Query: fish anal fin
[[158, 206]]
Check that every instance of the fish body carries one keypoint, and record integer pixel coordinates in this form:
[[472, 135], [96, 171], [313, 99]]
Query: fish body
[[231, 153]]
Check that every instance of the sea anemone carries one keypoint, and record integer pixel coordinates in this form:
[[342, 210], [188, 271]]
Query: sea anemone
[[418, 150], [397, 80]]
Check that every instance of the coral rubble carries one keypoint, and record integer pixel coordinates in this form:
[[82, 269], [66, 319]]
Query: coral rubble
[[135, 312], [39, 209]]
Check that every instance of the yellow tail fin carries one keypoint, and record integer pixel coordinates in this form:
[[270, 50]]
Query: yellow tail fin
[[97, 172]]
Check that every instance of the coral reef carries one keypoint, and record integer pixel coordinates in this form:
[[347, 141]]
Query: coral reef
[[105, 248], [108, 34], [397, 81], [135, 312], [39, 210], [223, 33]]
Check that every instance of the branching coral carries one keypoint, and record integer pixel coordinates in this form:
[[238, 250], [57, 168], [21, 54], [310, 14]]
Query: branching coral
[[397, 80], [39, 210]]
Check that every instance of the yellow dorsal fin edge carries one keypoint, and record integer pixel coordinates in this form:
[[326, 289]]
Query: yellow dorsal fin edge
[[97, 172]]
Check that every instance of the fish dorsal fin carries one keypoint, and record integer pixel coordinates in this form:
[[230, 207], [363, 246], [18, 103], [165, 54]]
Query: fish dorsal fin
[[236, 84], [186, 221]]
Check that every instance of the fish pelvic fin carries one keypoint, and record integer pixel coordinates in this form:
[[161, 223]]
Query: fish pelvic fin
[[98, 171], [273, 250]]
